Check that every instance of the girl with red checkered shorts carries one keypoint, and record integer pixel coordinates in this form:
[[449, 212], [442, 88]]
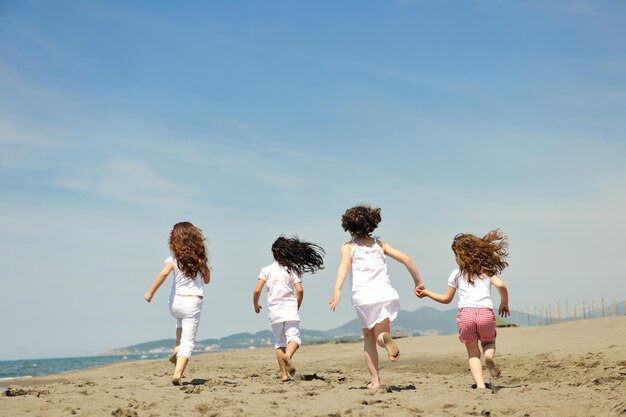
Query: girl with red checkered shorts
[[480, 260]]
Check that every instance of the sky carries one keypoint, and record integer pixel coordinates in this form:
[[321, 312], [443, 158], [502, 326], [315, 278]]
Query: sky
[[255, 119]]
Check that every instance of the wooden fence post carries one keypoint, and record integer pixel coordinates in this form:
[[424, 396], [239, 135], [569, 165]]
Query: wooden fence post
[[602, 306]]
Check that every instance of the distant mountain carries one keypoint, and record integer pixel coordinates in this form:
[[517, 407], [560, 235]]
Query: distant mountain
[[423, 321]]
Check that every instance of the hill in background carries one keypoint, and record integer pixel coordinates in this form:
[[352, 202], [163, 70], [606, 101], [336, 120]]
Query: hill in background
[[423, 321]]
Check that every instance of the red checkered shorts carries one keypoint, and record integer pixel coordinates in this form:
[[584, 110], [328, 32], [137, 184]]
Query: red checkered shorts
[[476, 324]]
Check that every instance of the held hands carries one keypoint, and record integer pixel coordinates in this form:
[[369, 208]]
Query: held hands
[[420, 291], [148, 296], [334, 300], [503, 311]]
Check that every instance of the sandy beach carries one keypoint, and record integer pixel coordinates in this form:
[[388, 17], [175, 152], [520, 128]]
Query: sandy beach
[[568, 369]]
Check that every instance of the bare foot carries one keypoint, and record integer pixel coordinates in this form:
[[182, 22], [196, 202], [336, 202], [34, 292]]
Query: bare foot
[[291, 370], [371, 385], [176, 381], [174, 355], [493, 369], [392, 348], [285, 379]]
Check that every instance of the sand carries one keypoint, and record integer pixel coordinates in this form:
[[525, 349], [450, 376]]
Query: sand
[[568, 369]]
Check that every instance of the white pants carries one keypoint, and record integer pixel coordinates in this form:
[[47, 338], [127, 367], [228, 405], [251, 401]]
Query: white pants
[[285, 332], [186, 311]]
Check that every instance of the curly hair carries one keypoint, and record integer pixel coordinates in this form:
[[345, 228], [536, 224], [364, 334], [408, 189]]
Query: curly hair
[[187, 245], [361, 221], [298, 256], [479, 257]]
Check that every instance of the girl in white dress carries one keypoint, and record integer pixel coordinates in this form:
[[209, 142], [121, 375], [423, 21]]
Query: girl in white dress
[[283, 279], [375, 300], [188, 264]]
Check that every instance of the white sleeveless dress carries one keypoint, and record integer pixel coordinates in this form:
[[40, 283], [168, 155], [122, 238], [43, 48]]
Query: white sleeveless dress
[[373, 297]]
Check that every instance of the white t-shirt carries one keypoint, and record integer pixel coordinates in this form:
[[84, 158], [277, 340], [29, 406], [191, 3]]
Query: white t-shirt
[[282, 304], [368, 276], [182, 285], [476, 295]]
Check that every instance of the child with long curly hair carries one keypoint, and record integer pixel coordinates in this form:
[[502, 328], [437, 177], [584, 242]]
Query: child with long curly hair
[[376, 302], [480, 260], [191, 272], [283, 279]]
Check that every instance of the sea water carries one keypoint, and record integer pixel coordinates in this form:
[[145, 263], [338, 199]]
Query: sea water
[[26, 368]]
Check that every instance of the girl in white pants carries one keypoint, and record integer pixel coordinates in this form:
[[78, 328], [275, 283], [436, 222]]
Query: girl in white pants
[[191, 273]]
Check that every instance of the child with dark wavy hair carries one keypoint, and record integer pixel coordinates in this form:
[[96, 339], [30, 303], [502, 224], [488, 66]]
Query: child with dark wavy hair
[[191, 272], [376, 302], [283, 278], [480, 260]]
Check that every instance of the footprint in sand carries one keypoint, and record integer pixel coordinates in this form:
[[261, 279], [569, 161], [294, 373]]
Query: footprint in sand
[[203, 408], [191, 389], [15, 391], [126, 412]]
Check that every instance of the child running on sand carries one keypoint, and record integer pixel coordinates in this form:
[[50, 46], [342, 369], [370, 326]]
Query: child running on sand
[[479, 261], [283, 278], [189, 264], [375, 300]]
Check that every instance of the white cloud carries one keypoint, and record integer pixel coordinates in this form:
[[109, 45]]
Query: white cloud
[[129, 181]]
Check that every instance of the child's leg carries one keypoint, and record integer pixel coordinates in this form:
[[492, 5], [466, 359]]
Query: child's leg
[[292, 335], [280, 344], [475, 365], [280, 353], [489, 349], [371, 357], [181, 364], [292, 347], [179, 332], [289, 366], [190, 309], [486, 328], [384, 339]]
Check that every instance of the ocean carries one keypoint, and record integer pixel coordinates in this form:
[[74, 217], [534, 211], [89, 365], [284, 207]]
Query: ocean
[[26, 368]]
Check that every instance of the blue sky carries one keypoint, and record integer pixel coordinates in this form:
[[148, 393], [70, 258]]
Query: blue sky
[[253, 119]]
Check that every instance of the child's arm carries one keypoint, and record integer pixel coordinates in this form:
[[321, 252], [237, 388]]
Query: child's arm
[[257, 294], [342, 272], [503, 311], [206, 274], [406, 261], [444, 298], [299, 293], [158, 281]]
